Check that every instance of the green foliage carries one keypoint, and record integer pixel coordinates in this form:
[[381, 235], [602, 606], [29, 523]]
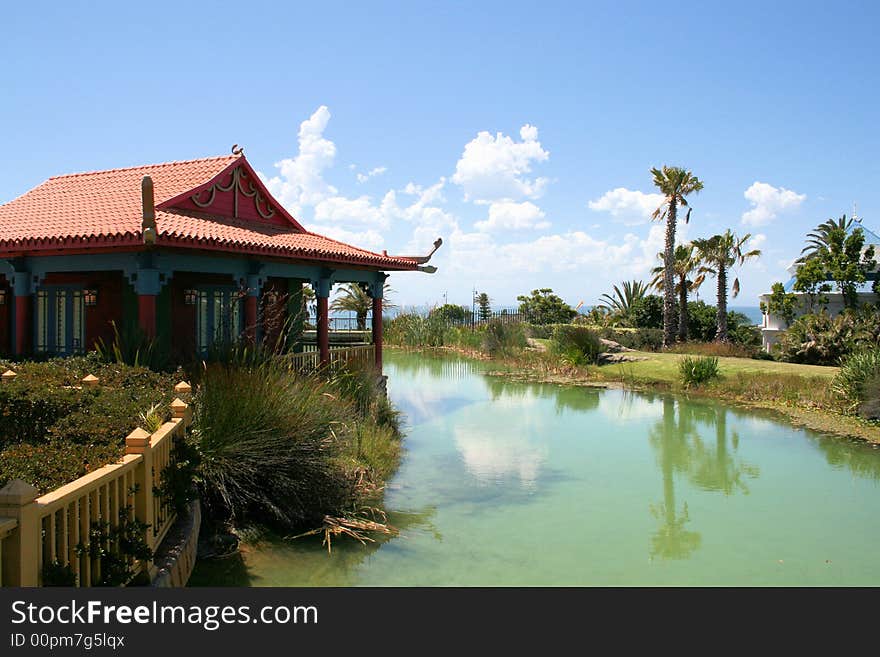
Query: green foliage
[[576, 345], [858, 375], [501, 338], [544, 307], [126, 540], [133, 347], [176, 480], [696, 370], [839, 258], [283, 449], [53, 430], [451, 314], [821, 339], [647, 312], [819, 237], [782, 304], [621, 301], [703, 324], [56, 573], [353, 297], [810, 279], [48, 465], [265, 439], [650, 339], [414, 330], [484, 307]]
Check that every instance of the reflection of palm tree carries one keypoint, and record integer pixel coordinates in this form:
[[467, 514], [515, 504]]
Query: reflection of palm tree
[[672, 540], [710, 468], [719, 469]]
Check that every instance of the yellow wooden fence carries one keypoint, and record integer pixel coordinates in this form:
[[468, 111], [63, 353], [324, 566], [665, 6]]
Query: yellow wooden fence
[[58, 527]]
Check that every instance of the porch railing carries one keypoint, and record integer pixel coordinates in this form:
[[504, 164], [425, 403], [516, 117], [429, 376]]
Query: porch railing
[[359, 355]]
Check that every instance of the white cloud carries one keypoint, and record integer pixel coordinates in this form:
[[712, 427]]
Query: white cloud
[[364, 177], [342, 210], [369, 239], [507, 215], [631, 206], [757, 241], [300, 181], [768, 201], [495, 168]]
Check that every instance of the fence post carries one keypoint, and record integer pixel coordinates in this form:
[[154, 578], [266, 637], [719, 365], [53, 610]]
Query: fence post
[[138, 442], [180, 409], [21, 557]]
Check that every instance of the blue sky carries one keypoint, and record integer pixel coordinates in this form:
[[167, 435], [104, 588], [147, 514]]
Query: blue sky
[[522, 133]]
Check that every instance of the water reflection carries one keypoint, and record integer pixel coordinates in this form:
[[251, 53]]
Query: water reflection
[[679, 439], [568, 398], [493, 457], [672, 540]]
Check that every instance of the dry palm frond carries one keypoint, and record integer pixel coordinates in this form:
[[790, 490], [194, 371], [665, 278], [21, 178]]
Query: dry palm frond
[[357, 528]]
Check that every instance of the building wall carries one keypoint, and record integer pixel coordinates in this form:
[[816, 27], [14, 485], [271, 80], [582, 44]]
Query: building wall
[[99, 318], [6, 318], [183, 317]]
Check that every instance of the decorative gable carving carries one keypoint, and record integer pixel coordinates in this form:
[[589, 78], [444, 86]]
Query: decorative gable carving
[[238, 194]]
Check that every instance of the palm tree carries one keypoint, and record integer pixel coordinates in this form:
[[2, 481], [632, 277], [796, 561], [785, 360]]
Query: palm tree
[[719, 254], [820, 237], [354, 298], [624, 297], [675, 184], [685, 264]]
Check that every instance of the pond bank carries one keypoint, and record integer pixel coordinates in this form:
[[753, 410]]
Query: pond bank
[[799, 393]]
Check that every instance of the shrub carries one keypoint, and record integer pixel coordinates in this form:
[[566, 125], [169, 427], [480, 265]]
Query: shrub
[[53, 430], [279, 448], [500, 338], [639, 339], [413, 330], [696, 370], [859, 374], [266, 441], [723, 349], [703, 324], [48, 465], [451, 314], [576, 345], [544, 307], [821, 339], [647, 312]]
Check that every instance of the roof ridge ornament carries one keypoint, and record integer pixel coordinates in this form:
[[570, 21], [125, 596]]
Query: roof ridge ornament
[[237, 150]]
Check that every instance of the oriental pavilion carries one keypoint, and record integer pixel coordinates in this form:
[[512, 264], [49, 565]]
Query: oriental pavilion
[[183, 253]]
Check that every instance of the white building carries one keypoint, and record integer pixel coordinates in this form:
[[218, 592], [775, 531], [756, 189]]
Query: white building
[[774, 325]]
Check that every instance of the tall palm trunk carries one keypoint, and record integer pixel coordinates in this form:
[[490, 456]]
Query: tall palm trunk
[[669, 277], [682, 311], [362, 320], [721, 310]]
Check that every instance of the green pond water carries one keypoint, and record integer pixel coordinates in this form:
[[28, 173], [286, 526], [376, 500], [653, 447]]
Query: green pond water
[[506, 484]]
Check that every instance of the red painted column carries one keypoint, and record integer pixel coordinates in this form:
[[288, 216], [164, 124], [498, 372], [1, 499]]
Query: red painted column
[[22, 324], [377, 332], [324, 330], [147, 314], [250, 318]]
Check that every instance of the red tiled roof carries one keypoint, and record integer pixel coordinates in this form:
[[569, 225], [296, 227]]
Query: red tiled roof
[[103, 209]]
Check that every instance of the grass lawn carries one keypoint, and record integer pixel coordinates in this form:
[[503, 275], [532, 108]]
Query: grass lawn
[[660, 366]]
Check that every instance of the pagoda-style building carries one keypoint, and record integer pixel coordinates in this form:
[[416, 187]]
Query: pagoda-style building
[[192, 253]]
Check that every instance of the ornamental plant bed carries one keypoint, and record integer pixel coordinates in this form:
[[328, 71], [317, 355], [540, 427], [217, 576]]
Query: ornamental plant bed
[[54, 429]]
